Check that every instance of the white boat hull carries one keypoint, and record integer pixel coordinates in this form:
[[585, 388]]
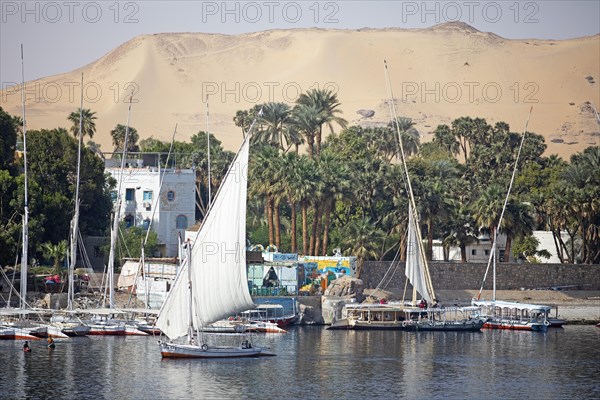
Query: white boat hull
[[48, 331], [516, 325], [175, 350], [107, 329], [76, 330], [12, 333]]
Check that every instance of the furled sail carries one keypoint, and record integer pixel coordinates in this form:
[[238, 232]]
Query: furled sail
[[415, 265], [218, 260]]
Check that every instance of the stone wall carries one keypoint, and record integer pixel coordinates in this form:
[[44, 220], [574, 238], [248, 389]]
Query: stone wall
[[509, 276]]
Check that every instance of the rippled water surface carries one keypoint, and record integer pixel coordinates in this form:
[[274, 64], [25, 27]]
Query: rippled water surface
[[312, 362]]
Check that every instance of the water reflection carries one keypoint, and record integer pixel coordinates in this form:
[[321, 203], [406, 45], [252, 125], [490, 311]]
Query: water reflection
[[313, 362]]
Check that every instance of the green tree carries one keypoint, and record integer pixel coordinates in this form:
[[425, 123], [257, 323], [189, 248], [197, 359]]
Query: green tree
[[326, 103], [288, 177], [244, 118], [526, 248], [408, 133], [130, 243], [263, 183], [487, 208], [518, 223], [362, 240], [89, 126], [118, 138], [275, 127], [56, 253], [336, 182], [305, 120], [52, 156], [8, 139], [305, 189], [582, 184]]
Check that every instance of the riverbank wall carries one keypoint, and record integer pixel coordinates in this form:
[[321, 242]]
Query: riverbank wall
[[509, 276]]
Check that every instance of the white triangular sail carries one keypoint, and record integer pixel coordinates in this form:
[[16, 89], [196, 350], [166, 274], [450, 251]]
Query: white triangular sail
[[218, 261], [415, 266]]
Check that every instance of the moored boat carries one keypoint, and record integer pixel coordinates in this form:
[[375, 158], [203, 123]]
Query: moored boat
[[176, 350], [212, 285], [47, 331], [408, 318], [15, 333], [514, 315], [73, 329], [274, 313]]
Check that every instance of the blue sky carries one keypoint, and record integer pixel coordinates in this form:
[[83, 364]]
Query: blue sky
[[59, 36]]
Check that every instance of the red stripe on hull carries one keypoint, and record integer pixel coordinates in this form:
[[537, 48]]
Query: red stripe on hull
[[174, 355], [25, 337], [509, 327]]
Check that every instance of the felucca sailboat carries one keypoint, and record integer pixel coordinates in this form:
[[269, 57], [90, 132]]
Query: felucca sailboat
[[410, 316], [212, 283]]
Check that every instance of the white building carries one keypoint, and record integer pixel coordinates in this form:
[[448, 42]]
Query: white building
[[480, 251], [175, 202]]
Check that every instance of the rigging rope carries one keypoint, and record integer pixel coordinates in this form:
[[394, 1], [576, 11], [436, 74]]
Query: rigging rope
[[512, 179]]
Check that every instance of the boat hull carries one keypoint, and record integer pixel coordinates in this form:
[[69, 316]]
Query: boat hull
[[515, 326], [11, 333], [413, 326], [48, 331], [107, 330], [131, 330], [352, 324], [556, 322], [78, 330], [284, 322], [466, 326], [174, 350]]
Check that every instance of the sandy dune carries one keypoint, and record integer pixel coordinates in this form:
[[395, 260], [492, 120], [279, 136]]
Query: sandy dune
[[438, 74]]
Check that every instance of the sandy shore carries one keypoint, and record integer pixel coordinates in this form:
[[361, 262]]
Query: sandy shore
[[575, 306]]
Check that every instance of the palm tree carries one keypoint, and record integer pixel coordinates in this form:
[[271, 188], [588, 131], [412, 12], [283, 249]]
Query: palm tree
[[277, 194], [396, 218], [304, 190], [56, 253], [518, 223], [305, 120], [244, 118], [263, 180], [408, 133], [361, 240], [89, 126], [274, 127], [444, 137], [118, 136], [289, 177], [461, 229], [327, 104], [487, 208], [434, 205], [336, 181]]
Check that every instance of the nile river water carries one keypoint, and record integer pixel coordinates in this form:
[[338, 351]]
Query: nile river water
[[314, 363]]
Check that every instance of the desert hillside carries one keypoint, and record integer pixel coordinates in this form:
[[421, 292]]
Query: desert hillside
[[438, 74]]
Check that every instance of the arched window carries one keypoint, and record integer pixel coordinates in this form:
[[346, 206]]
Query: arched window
[[181, 222]]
